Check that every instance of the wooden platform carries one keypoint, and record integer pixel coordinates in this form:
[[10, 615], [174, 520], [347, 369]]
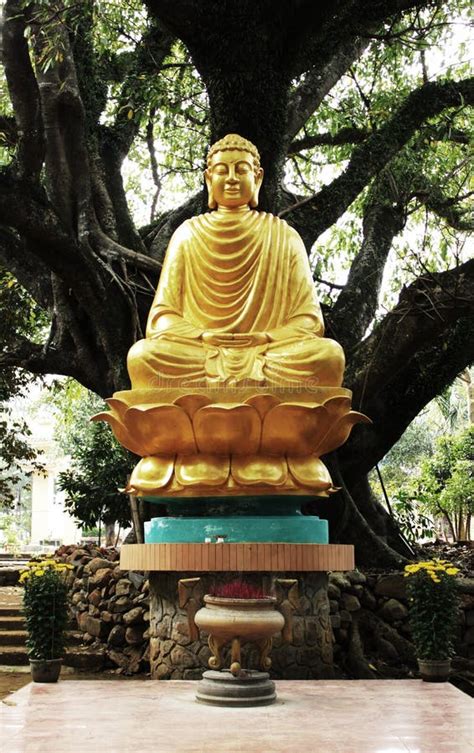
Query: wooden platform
[[237, 557]]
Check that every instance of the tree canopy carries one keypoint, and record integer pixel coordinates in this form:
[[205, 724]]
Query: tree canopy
[[361, 115]]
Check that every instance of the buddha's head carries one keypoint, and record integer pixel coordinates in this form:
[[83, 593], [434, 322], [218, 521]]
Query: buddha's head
[[233, 175]]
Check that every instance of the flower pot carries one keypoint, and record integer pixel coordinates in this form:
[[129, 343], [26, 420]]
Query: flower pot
[[434, 670], [45, 670], [238, 621]]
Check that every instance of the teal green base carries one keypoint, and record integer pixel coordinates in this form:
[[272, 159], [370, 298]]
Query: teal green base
[[235, 520]]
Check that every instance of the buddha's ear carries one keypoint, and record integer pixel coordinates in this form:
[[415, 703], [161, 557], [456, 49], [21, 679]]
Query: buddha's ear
[[258, 182], [211, 202]]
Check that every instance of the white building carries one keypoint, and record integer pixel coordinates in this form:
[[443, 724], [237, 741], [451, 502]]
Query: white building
[[51, 524]]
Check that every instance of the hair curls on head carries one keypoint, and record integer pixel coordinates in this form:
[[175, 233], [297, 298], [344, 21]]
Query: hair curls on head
[[234, 141]]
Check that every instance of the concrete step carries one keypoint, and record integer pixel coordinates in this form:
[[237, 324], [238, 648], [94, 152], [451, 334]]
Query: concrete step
[[12, 622], [13, 656], [10, 611], [12, 637]]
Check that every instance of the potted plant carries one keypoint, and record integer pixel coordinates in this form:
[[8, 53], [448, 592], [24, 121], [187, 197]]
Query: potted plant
[[45, 605], [431, 590]]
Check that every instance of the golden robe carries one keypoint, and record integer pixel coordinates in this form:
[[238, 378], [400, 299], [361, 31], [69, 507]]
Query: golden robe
[[235, 271]]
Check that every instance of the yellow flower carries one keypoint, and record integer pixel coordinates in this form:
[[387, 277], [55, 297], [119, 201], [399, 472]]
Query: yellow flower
[[39, 573], [452, 570]]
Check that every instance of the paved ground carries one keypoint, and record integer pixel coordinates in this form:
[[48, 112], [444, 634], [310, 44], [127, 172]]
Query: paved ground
[[387, 716]]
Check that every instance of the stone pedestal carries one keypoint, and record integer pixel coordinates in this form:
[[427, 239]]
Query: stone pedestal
[[173, 655]]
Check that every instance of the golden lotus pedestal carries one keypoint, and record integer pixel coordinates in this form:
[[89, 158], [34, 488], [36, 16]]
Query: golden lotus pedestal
[[231, 441]]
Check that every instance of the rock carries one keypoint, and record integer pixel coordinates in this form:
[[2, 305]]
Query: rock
[[78, 597], [387, 650], [123, 587], [133, 616], [346, 616], [393, 610], [350, 602], [119, 604], [166, 647], [146, 634], [161, 672], [298, 631], [98, 563], [100, 577], [181, 657], [339, 580], [106, 616], [180, 632], [356, 578], [312, 630], [118, 658], [357, 591], [468, 637], [335, 621], [334, 593], [137, 579], [393, 586], [96, 627], [469, 614], [95, 597], [204, 655], [117, 636], [85, 657], [367, 599], [133, 635], [192, 674], [77, 556], [333, 606], [465, 585]]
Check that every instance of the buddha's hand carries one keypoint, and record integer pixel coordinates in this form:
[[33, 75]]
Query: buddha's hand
[[235, 339]]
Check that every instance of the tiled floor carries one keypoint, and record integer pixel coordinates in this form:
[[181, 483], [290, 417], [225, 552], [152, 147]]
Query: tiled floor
[[393, 716]]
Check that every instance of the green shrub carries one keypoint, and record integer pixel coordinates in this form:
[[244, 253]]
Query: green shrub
[[45, 604], [431, 589]]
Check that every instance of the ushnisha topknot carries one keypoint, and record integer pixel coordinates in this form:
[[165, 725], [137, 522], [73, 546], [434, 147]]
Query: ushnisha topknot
[[234, 141]]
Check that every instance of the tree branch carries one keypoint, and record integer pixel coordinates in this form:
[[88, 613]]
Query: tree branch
[[30, 272], [410, 357], [444, 206], [23, 90], [384, 218], [318, 83], [346, 135], [320, 211]]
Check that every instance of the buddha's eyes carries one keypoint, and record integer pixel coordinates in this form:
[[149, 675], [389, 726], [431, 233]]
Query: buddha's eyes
[[241, 168]]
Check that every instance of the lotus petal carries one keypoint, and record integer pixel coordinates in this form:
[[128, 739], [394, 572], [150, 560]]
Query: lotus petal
[[118, 407], [293, 428], [151, 474], [120, 431], [339, 433], [263, 403], [256, 470], [191, 403], [164, 429], [227, 429], [310, 472], [202, 470]]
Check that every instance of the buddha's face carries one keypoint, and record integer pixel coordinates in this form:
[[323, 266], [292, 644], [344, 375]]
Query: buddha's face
[[232, 180]]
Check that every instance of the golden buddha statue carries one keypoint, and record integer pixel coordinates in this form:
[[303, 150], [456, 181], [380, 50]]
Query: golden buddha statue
[[235, 389], [236, 301]]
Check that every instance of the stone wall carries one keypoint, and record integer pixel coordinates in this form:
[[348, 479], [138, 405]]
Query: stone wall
[[110, 607], [359, 629], [174, 656]]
